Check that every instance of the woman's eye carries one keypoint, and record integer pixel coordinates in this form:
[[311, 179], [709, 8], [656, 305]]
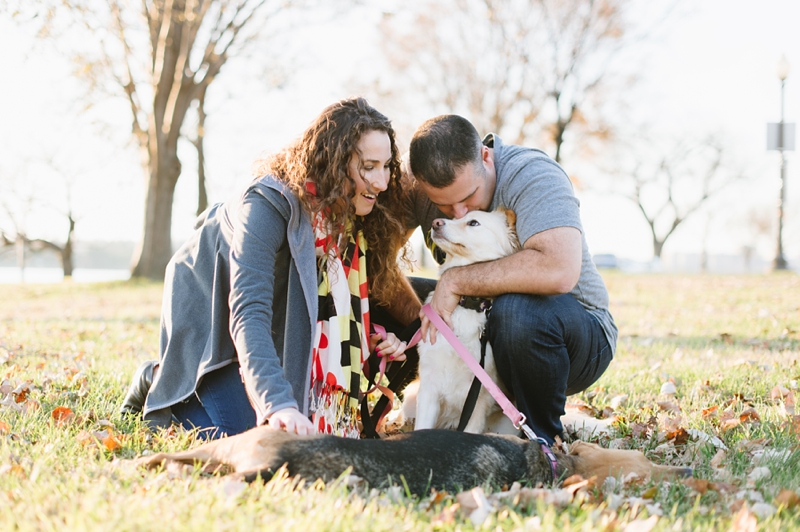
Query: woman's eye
[[473, 223]]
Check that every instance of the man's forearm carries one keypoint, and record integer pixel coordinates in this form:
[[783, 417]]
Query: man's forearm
[[526, 272]]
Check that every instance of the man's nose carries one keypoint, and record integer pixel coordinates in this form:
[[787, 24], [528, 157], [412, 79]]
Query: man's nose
[[460, 210]]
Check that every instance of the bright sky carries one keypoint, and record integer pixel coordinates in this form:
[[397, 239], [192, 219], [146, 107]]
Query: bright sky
[[715, 71]]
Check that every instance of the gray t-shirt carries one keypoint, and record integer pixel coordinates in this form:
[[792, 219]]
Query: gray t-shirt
[[538, 190]]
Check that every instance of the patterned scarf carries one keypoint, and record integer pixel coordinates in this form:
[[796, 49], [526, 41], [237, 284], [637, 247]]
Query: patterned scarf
[[341, 342]]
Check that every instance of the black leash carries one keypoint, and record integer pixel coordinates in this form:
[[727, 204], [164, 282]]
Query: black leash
[[475, 387], [398, 375]]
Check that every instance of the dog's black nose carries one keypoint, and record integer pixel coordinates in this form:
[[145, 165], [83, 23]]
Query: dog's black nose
[[437, 223]]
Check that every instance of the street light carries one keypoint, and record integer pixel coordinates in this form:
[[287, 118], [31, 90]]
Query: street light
[[781, 137]]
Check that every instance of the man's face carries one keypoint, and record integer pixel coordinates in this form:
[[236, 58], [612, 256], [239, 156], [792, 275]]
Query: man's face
[[471, 190]]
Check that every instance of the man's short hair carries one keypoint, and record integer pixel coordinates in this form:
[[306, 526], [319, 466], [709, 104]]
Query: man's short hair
[[441, 146]]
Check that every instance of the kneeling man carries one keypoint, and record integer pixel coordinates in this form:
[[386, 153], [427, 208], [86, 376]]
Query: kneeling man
[[549, 325]]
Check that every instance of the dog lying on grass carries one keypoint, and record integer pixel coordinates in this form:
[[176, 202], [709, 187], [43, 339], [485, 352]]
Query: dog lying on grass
[[444, 378], [420, 460]]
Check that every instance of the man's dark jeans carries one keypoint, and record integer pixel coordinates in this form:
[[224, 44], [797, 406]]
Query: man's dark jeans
[[545, 348]]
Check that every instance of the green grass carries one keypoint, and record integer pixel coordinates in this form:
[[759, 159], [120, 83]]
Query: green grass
[[724, 341]]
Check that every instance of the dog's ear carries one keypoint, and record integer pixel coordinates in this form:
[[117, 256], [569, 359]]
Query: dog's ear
[[511, 218]]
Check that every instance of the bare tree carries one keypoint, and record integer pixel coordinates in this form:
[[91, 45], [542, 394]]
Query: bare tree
[[529, 70], [670, 185], [160, 55]]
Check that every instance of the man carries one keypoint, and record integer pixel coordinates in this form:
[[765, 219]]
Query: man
[[549, 326]]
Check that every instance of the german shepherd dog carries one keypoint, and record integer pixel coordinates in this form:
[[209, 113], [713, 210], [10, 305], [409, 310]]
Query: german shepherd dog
[[421, 460]]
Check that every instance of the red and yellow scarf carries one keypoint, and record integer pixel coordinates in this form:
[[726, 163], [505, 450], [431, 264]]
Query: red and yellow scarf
[[341, 339]]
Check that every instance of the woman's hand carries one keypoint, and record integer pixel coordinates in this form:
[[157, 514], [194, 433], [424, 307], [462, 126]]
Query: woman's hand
[[291, 420], [391, 347]]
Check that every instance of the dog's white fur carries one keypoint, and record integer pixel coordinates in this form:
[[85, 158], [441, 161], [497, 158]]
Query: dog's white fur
[[444, 378]]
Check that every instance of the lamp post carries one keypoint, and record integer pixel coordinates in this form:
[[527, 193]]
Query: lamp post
[[780, 261]]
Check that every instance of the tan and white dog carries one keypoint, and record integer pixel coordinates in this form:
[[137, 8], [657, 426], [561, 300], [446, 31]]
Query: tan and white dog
[[444, 378]]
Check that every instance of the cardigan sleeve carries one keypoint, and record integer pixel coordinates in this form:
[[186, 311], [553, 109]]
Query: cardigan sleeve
[[259, 233]]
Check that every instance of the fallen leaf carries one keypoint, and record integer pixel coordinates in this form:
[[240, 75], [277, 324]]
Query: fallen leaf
[[729, 424], [110, 442], [668, 388], [749, 415], [62, 415], [779, 392], [718, 458], [744, 521], [679, 436], [669, 406], [726, 337], [4, 428], [641, 525], [21, 392], [787, 498], [699, 485], [710, 412], [650, 493]]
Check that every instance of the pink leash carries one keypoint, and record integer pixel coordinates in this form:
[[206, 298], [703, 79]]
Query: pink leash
[[516, 417]]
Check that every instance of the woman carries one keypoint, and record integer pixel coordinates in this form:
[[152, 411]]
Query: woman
[[265, 315]]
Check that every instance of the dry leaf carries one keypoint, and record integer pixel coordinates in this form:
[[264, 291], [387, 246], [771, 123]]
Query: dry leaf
[[21, 392], [729, 424], [697, 484], [642, 525], [110, 442], [710, 412], [779, 392], [669, 406], [62, 415], [4, 428], [718, 458], [679, 435], [787, 498], [744, 521], [749, 415]]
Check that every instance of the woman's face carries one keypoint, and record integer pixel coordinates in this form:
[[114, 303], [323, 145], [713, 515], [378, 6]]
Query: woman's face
[[369, 168]]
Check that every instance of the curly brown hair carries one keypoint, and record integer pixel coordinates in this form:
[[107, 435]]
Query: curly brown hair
[[321, 155]]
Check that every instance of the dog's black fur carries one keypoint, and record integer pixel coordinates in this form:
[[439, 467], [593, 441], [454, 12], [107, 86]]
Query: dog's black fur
[[420, 460]]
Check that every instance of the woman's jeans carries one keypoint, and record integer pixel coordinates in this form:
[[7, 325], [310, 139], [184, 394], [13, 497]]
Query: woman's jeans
[[545, 348], [219, 407]]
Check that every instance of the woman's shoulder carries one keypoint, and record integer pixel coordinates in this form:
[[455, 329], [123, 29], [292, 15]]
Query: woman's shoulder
[[276, 192]]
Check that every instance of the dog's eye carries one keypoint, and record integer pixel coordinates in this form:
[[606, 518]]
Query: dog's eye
[[473, 223]]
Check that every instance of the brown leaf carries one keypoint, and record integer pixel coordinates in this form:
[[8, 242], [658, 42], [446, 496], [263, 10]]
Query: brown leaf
[[110, 442], [669, 406], [710, 412], [697, 484], [639, 430], [4, 428], [787, 498], [62, 415], [749, 415], [86, 439], [680, 435], [726, 337], [744, 521], [779, 392], [716, 461], [21, 392], [729, 424]]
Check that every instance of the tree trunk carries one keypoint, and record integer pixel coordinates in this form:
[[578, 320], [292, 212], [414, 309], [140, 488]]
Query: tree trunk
[[66, 251], [658, 246], [155, 248]]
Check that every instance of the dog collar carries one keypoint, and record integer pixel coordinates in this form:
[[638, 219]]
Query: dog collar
[[481, 304]]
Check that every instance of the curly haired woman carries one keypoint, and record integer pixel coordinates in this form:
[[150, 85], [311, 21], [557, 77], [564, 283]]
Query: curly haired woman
[[265, 315]]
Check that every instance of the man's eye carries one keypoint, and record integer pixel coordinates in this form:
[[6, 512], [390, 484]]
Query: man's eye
[[473, 223]]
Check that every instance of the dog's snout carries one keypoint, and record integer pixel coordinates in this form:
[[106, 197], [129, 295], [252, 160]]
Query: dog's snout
[[438, 223]]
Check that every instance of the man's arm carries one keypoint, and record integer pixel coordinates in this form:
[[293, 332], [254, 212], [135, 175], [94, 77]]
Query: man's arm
[[548, 264]]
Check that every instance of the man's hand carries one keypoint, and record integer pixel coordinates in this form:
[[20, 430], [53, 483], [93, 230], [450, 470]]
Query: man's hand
[[291, 420], [444, 302]]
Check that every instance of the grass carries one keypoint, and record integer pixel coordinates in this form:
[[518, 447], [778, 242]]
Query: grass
[[728, 344]]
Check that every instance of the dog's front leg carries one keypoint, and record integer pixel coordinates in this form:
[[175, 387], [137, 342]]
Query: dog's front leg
[[477, 421], [427, 408]]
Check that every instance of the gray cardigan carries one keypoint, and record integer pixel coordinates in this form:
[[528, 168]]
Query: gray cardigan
[[243, 286]]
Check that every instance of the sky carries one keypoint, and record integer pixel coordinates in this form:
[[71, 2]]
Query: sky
[[711, 68]]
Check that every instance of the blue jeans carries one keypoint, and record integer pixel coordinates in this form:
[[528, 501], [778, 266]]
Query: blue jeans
[[545, 348], [219, 407]]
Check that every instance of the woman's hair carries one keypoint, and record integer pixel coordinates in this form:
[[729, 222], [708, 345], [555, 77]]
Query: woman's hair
[[321, 155]]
